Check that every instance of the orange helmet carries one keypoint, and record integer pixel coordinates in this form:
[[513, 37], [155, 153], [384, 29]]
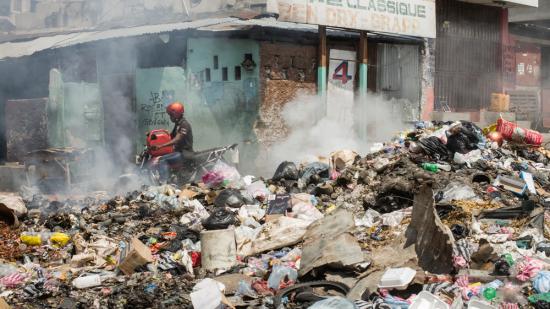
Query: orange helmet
[[175, 110]]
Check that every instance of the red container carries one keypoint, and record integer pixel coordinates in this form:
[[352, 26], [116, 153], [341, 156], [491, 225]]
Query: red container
[[511, 132], [159, 137]]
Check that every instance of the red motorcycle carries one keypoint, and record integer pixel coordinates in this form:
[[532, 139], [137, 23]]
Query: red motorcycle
[[187, 171]]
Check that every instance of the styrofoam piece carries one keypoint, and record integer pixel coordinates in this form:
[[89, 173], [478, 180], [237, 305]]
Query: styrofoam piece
[[397, 278], [426, 300], [476, 304]]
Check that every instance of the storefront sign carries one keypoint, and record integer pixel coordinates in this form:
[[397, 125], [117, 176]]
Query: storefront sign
[[407, 17]]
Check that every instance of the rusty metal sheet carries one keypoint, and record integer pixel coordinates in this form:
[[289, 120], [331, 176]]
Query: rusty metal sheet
[[468, 62], [328, 241], [528, 60], [432, 239], [525, 103]]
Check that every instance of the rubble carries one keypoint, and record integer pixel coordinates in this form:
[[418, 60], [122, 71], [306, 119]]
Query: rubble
[[465, 223]]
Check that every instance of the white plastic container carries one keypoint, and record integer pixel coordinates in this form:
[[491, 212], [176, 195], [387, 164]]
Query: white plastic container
[[87, 282], [426, 300], [397, 278], [218, 249], [477, 304]]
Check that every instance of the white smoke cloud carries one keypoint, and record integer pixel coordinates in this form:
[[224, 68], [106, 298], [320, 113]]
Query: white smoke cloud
[[312, 135]]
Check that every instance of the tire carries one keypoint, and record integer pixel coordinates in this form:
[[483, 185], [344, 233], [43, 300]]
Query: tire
[[277, 301]]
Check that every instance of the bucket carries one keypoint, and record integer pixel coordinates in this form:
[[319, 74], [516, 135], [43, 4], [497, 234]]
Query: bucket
[[218, 249]]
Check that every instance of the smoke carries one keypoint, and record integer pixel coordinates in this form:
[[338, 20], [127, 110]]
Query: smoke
[[348, 123]]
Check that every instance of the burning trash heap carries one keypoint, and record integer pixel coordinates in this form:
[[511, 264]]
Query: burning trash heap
[[446, 215]]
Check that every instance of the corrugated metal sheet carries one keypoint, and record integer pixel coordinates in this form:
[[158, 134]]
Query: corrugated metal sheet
[[468, 55], [398, 68], [26, 48]]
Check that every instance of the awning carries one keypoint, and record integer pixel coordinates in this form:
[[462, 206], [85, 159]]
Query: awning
[[27, 48]]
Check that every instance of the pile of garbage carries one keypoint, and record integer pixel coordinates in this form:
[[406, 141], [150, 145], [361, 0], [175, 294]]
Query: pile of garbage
[[446, 215]]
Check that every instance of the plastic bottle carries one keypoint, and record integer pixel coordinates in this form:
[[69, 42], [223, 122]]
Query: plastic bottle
[[37, 239], [489, 293], [444, 167], [430, 167]]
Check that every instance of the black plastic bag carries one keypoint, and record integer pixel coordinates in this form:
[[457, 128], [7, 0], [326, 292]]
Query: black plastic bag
[[286, 170], [544, 247], [220, 219], [229, 198], [434, 148], [464, 138], [459, 231], [541, 304], [316, 171], [502, 268]]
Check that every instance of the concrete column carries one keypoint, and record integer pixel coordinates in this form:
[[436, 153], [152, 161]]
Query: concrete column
[[323, 63], [363, 66], [361, 108], [427, 100]]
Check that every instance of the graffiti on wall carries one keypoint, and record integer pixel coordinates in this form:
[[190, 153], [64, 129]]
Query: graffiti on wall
[[154, 109]]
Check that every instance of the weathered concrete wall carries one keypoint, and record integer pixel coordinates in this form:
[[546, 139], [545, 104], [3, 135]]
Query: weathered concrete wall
[[26, 127], [286, 71]]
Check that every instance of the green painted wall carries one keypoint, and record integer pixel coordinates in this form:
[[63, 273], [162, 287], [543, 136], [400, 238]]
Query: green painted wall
[[156, 88], [222, 110], [234, 102], [75, 113]]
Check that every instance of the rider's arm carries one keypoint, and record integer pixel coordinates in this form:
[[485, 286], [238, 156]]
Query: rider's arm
[[174, 141]]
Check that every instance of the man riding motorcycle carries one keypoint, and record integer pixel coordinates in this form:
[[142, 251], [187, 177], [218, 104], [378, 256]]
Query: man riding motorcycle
[[182, 140]]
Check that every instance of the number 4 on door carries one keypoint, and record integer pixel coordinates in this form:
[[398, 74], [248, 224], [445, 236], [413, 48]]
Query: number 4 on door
[[341, 73]]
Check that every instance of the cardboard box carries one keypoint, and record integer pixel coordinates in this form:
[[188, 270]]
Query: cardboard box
[[4, 304], [138, 254], [500, 102]]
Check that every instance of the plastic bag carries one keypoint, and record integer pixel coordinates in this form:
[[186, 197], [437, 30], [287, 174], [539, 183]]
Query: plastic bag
[[286, 170], [245, 289], [306, 211], [315, 168], [457, 191], [7, 269], [512, 132], [541, 283], [212, 179], [220, 219], [207, 294], [369, 219], [528, 268], [229, 198], [434, 148], [468, 158], [333, 303], [258, 190], [221, 174], [279, 274], [463, 138], [251, 211]]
